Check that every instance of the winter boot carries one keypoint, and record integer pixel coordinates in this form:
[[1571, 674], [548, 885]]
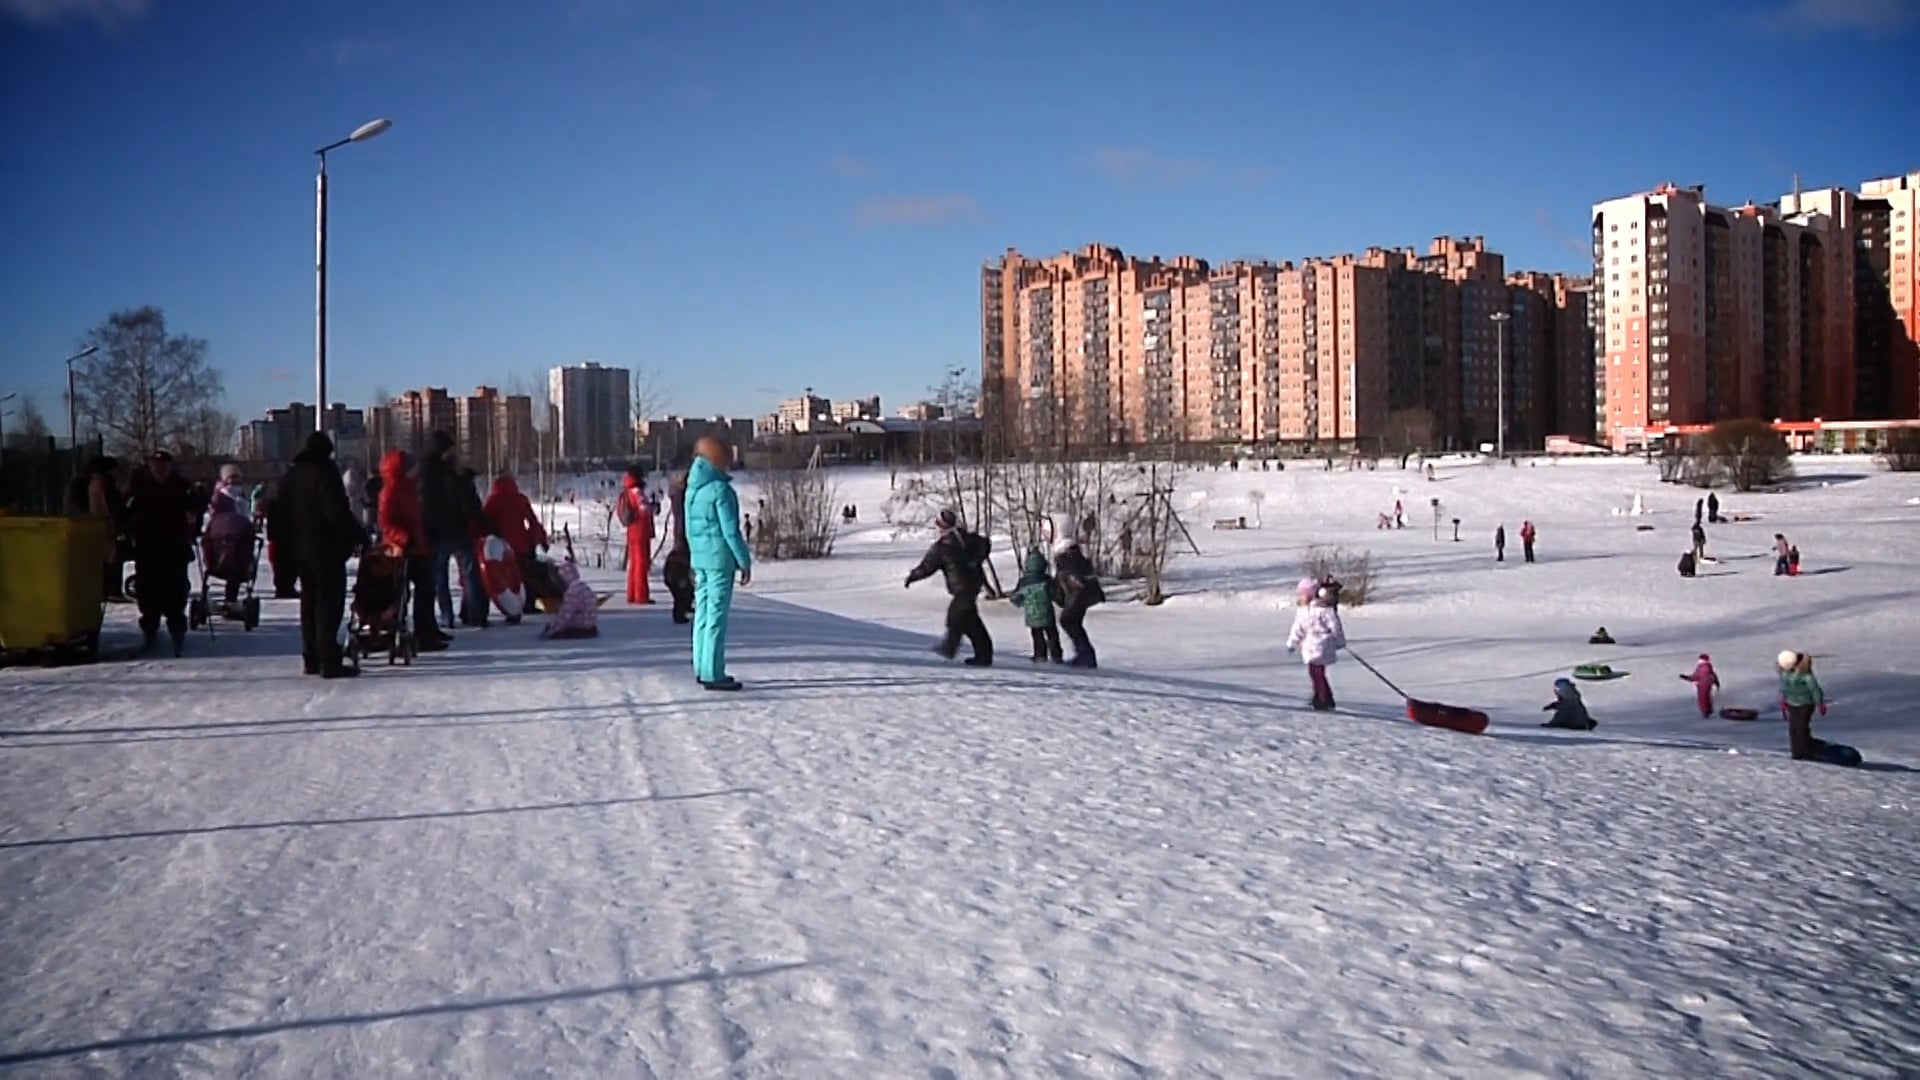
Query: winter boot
[[978, 661], [179, 643], [148, 637]]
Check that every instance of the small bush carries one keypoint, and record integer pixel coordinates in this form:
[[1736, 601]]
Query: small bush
[[1356, 571], [1902, 450], [1748, 454], [798, 516]]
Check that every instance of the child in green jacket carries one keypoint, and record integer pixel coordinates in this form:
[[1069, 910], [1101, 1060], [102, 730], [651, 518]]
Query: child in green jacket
[[1036, 594], [1800, 698]]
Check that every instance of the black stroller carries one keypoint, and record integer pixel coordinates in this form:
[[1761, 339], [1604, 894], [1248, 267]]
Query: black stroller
[[233, 560], [377, 616]]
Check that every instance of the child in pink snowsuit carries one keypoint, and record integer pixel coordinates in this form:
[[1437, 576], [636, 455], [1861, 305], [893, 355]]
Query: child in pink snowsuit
[[1705, 681], [579, 614]]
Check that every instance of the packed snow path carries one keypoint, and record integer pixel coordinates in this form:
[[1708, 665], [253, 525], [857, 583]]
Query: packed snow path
[[533, 858]]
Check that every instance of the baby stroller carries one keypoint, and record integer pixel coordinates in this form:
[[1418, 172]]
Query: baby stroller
[[377, 616], [234, 559]]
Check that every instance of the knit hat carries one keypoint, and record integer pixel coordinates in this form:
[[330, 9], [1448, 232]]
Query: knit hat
[[1307, 587], [948, 519], [1706, 658], [1787, 658]]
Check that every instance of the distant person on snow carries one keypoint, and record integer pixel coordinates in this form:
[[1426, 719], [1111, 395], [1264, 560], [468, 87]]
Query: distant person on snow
[[1689, 566], [637, 516], [1793, 560], [1318, 637], [1705, 682], [1527, 535], [1500, 543], [475, 603], [719, 553], [959, 556], [1568, 710], [1036, 595], [162, 516], [1699, 543], [1800, 697], [579, 612], [1699, 510], [1081, 588], [510, 516], [1782, 556], [1713, 508]]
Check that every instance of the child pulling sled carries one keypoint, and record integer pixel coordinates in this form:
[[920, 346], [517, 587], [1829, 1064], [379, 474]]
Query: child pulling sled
[[1705, 682], [1318, 637]]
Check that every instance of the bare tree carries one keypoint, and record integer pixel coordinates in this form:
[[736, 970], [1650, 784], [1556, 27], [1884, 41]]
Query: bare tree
[[647, 396], [798, 508], [210, 431], [145, 388], [26, 426]]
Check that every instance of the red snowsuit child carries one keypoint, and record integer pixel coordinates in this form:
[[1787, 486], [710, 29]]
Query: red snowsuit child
[[637, 516], [1705, 681]]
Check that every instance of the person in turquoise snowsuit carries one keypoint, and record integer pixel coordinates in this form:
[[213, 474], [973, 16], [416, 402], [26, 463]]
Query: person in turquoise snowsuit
[[718, 552]]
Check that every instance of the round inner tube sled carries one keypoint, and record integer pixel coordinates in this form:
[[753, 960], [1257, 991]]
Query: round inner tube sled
[[1596, 671]]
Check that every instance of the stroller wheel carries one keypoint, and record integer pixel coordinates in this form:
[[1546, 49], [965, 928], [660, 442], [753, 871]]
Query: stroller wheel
[[250, 613]]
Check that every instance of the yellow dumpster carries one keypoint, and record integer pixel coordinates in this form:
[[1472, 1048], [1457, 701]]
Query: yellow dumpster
[[50, 583]]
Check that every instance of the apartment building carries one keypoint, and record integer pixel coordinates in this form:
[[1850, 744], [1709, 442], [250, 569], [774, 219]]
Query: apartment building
[[592, 418], [1549, 344], [803, 413], [1800, 311], [282, 433], [1094, 349], [415, 415], [866, 408], [494, 431]]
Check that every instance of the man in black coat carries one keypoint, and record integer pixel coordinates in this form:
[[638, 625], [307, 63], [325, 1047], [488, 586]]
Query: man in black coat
[[679, 566], [959, 556], [161, 521], [1074, 571], [319, 535], [448, 529]]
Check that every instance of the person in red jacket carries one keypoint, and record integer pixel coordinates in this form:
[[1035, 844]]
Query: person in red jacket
[[510, 515], [404, 528], [637, 516], [1527, 535]]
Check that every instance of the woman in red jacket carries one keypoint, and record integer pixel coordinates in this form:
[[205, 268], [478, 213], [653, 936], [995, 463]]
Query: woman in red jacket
[[637, 516], [404, 529], [510, 516]]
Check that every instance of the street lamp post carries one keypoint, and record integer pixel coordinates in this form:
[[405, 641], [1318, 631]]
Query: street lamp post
[[1500, 319], [73, 412], [360, 134]]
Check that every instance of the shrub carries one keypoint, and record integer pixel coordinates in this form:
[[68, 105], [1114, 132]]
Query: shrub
[[1902, 450], [1356, 571], [800, 508], [1749, 454]]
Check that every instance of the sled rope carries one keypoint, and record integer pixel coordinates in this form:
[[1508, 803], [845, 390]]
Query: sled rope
[[1375, 672]]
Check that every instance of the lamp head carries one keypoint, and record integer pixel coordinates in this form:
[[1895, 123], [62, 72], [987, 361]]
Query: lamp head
[[370, 129]]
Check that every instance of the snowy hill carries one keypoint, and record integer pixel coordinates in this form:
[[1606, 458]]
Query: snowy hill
[[526, 857]]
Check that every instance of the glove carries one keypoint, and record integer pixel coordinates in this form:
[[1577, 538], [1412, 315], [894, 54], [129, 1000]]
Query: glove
[[1823, 708], [908, 585]]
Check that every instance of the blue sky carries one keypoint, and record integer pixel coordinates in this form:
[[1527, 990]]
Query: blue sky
[[750, 198]]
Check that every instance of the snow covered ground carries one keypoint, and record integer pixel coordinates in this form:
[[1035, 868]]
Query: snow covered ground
[[533, 858]]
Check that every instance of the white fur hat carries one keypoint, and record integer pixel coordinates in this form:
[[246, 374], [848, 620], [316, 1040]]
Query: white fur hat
[[1787, 658], [1064, 545]]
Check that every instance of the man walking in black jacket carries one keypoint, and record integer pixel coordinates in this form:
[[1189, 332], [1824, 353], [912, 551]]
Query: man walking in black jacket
[[678, 571], [162, 520], [320, 535], [960, 557]]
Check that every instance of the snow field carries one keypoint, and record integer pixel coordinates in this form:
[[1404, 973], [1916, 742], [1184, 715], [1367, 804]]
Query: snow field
[[540, 858]]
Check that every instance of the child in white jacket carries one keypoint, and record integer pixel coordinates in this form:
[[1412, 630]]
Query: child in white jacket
[[1318, 637]]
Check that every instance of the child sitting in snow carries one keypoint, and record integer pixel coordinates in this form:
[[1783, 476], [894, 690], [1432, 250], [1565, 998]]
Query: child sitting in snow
[[579, 614], [1705, 681], [1568, 710], [1318, 637], [1036, 594]]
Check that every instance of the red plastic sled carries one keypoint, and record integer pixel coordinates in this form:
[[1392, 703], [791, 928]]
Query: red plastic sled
[[1451, 717], [500, 576]]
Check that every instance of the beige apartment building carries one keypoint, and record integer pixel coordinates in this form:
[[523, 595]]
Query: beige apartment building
[[1095, 349], [1797, 312]]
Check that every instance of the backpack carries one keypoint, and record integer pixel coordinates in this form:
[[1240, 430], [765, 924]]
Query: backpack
[[977, 548]]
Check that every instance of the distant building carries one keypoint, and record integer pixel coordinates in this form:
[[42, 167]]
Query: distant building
[[592, 417], [495, 430], [867, 408], [923, 410], [668, 442], [417, 414], [282, 433], [803, 413]]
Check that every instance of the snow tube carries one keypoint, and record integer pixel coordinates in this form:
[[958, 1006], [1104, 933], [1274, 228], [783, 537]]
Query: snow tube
[[500, 576], [1596, 672], [1732, 712], [1451, 717]]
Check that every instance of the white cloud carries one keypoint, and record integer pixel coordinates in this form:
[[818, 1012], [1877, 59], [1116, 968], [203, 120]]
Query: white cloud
[[917, 210], [1123, 163]]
